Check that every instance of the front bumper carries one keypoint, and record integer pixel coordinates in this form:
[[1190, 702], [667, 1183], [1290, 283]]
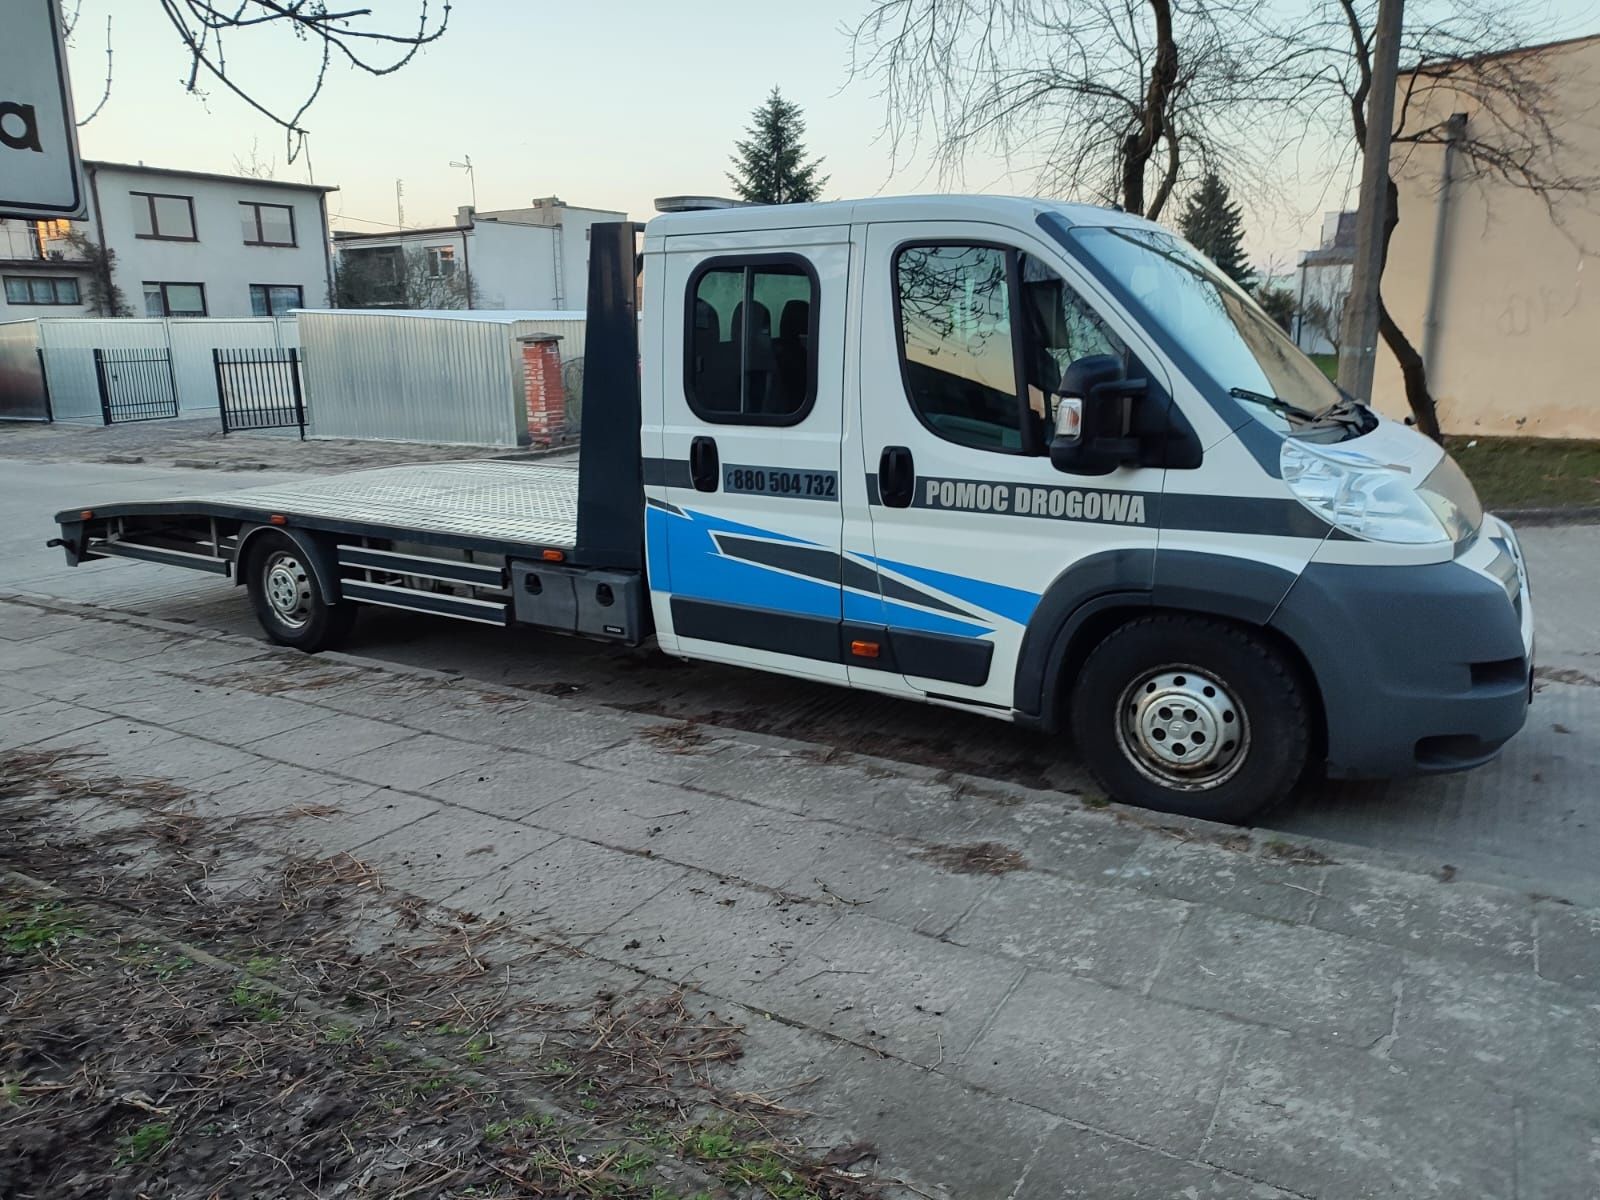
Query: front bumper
[[1420, 669]]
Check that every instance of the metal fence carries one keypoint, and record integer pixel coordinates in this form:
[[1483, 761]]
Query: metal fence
[[259, 389], [136, 385]]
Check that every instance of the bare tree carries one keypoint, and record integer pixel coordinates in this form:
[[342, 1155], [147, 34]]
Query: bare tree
[[1465, 56], [1121, 100], [348, 37], [401, 277]]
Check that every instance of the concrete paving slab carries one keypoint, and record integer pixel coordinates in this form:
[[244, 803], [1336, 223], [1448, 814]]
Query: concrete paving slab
[[861, 795], [328, 745], [417, 760], [188, 762], [1241, 880], [107, 740], [451, 849], [1486, 926], [670, 754], [1558, 1155], [1569, 945], [13, 698], [1117, 937], [1515, 1034], [510, 784], [1058, 836], [885, 987], [952, 1140], [19, 656], [1289, 976], [237, 717], [1342, 1123], [1100, 1056], [725, 937], [1080, 1164], [47, 719], [877, 878], [570, 888]]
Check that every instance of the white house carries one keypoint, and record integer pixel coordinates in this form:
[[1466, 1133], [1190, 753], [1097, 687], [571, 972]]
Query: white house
[[1322, 283], [514, 258], [185, 243]]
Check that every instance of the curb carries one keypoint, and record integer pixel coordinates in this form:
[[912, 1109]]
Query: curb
[[1583, 514]]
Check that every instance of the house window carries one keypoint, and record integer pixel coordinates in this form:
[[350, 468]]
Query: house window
[[441, 262], [41, 289], [750, 344], [174, 299], [267, 224], [274, 299], [166, 218]]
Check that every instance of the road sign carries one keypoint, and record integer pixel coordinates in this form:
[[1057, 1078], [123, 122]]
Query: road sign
[[40, 175]]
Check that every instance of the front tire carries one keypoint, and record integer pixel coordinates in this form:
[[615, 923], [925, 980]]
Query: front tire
[[287, 600], [1194, 716]]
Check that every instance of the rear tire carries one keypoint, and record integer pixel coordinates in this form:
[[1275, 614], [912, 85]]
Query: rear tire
[[1194, 716], [287, 600]]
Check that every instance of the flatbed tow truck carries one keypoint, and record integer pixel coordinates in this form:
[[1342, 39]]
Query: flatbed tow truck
[[1041, 462]]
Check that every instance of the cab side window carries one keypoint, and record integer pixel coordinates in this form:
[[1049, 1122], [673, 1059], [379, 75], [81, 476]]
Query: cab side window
[[955, 343], [986, 335], [749, 353]]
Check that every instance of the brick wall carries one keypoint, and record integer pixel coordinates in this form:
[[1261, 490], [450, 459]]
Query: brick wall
[[546, 394]]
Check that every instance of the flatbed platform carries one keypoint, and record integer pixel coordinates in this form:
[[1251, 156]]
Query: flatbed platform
[[490, 506]]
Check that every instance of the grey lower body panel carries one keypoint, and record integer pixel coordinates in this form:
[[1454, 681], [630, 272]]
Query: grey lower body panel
[[1420, 669]]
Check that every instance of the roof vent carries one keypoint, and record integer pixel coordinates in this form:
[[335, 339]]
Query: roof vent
[[676, 204]]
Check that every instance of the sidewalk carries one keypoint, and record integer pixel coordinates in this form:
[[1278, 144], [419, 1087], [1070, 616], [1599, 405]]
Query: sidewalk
[[1008, 993], [198, 442]]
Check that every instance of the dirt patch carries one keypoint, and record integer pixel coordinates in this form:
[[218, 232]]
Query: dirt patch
[[685, 737], [186, 1015], [1569, 675], [983, 858], [1299, 854]]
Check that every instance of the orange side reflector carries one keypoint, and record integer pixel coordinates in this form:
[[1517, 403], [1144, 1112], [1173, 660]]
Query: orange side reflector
[[87, 514], [553, 556], [278, 519], [865, 649]]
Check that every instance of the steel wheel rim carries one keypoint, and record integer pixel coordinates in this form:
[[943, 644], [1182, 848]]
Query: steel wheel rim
[[1182, 728], [287, 589]]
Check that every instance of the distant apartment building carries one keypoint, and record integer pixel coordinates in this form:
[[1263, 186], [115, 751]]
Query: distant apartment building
[[184, 244], [1322, 284], [533, 258]]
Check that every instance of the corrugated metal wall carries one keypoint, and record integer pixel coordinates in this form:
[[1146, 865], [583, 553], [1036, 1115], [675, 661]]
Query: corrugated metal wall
[[379, 375], [69, 344], [411, 378], [22, 395]]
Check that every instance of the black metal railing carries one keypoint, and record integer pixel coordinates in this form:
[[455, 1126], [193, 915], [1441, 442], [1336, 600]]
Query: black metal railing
[[136, 385], [259, 389]]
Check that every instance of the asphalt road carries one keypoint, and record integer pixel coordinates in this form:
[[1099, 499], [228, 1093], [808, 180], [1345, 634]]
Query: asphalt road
[[1530, 820]]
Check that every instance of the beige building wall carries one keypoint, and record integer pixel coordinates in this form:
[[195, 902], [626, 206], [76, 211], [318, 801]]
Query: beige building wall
[[1517, 344]]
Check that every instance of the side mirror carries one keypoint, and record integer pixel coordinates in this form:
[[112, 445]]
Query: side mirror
[[1094, 417]]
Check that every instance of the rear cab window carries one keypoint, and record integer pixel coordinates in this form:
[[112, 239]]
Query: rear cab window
[[750, 340]]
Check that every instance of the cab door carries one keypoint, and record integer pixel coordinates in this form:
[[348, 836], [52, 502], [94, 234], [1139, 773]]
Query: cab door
[[745, 507], [967, 329]]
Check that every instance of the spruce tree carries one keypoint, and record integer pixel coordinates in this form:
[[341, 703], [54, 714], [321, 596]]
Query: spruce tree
[[1214, 225], [770, 166]]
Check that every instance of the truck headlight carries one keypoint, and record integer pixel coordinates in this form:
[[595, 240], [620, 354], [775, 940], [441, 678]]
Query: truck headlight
[[1357, 493]]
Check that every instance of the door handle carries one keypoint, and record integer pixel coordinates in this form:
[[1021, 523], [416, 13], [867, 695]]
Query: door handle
[[897, 476], [705, 470]]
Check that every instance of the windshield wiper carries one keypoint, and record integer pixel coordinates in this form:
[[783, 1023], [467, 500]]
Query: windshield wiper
[[1282, 407]]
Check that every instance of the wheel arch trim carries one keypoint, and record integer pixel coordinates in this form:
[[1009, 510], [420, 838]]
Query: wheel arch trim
[[1229, 586], [320, 556]]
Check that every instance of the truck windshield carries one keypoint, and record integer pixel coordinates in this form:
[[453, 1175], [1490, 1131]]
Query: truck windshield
[[1243, 352]]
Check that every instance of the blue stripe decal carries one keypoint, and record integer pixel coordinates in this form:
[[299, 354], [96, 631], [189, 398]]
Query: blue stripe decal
[[700, 570], [1014, 604]]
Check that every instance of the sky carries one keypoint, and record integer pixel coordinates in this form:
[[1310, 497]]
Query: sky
[[607, 104]]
